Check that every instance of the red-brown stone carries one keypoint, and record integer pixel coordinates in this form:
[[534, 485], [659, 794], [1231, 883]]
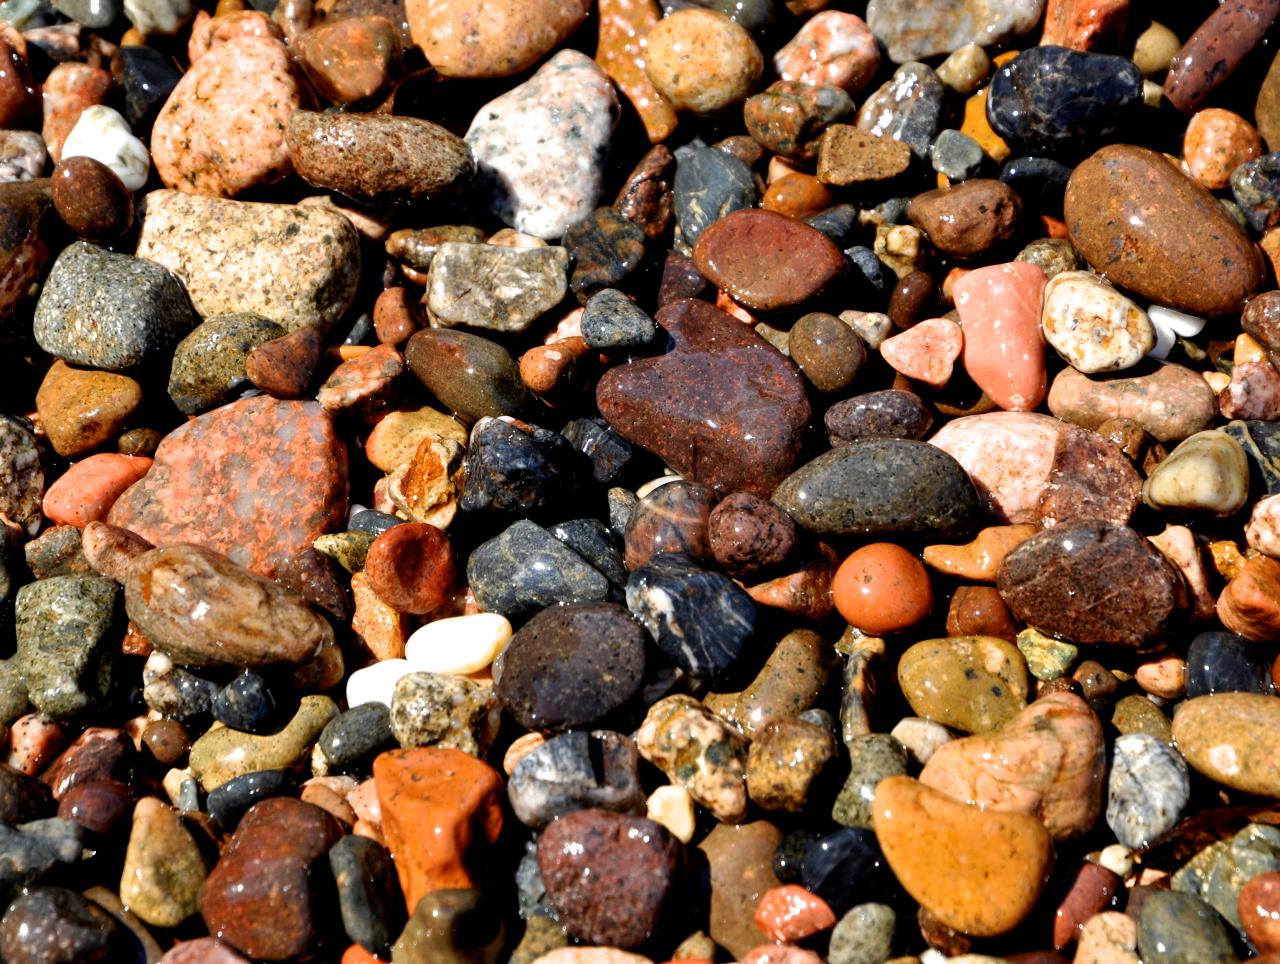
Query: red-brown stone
[[256, 480], [411, 568], [284, 367], [767, 260], [724, 408], [1092, 891]]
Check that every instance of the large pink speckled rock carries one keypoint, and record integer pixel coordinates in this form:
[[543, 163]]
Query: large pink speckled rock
[[490, 38], [833, 48], [222, 129], [999, 308], [256, 480]]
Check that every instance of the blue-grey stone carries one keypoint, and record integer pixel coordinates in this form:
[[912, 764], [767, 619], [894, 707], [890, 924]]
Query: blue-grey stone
[[596, 543], [526, 569], [907, 107], [576, 771], [956, 154], [1147, 791], [1255, 184], [613, 322], [1176, 928], [709, 184], [369, 895]]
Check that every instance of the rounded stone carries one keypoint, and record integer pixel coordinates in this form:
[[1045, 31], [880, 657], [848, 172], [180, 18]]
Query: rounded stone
[[971, 683], [411, 567], [702, 61], [1230, 738], [496, 38], [91, 199], [748, 535], [881, 589], [827, 350]]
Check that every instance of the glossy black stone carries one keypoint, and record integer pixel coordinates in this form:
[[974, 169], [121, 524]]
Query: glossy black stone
[[709, 184], [352, 738], [840, 223], [525, 569], [1227, 663], [246, 703], [609, 453], [789, 856], [868, 275], [596, 543], [605, 248], [148, 77], [1053, 101], [1041, 182], [373, 521], [512, 471], [700, 618], [231, 801], [847, 868], [369, 894]]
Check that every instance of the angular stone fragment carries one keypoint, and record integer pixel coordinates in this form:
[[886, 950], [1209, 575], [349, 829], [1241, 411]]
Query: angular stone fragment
[[495, 288]]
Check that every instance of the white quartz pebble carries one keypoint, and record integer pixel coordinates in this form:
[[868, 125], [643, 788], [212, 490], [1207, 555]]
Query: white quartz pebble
[[1169, 324], [672, 807], [1092, 326], [101, 133], [460, 644], [921, 737], [375, 683]]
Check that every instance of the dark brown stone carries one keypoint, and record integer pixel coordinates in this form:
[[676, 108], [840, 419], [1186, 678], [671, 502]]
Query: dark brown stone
[[101, 806], [828, 351], [969, 219], [1090, 479], [749, 535], [979, 611], [1093, 583], [766, 260], [912, 295], [470, 375], [606, 246], [256, 480], [91, 199], [22, 798], [284, 366], [849, 155], [646, 197], [1216, 49], [1128, 210], [24, 241], [680, 280], [888, 414], [672, 518], [99, 753], [723, 408], [608, 875], [19, 92], [262, 896], [1261, 319]]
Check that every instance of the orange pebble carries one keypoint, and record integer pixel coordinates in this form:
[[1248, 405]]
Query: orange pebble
[[791, 913], [1216, 142], [882, 589], [1053, 228], [88, 490], [355, 954], [781, 954], [797, 196]]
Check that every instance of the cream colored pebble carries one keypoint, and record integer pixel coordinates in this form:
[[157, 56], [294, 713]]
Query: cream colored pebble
[[672, 807], [1116, 858], [459, 644], [921, 737], [376, 682]]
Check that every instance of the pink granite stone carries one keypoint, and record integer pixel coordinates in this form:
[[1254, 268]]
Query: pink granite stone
[[999, 309], [925, 352]]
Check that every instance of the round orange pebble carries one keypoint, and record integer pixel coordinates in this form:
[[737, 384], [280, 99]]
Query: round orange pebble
[[882, 589]]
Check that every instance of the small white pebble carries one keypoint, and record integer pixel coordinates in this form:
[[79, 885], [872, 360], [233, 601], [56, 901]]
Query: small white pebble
[[104, 135], [1116, 858], [460, 644], [672, 807], [375, 683], [921, 737]]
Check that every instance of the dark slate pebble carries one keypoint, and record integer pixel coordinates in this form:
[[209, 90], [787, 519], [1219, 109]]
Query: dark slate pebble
[[882, 487], [887, 414], [1041, 182], [846, 868], [596, 543], [869, 275], [148, 77], [525, 569], [1177, 928], [53, 925], [609, 453], [30, 850], [22, 798], [369, 895], [571, 666], [789, 855], [709, 184], [1261, 443], [354, 736], [956, 154], [575, 771], [180, 694], [373, 521], [517, 469], [840, 223], [1255, 185], [613, 322], [605, 247], [1054, 101], [1227, 663], [232, 800], [245, 703], [700, 618]]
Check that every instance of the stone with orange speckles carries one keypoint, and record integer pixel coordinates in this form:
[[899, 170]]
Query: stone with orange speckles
[[621, 53]]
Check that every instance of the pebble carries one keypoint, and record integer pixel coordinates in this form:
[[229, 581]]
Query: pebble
[[91, 199], [789, 683], [470, 375], [575, 771], [977, 871], [1177, 927], [786, 758], [1000, 309], [163, 866], [1207, 472], [919, 29], [739, 859], [1257, 910], [849, 155], [437, 710], [1092, 326], [881, 589], [283, 367], [222, 754], [702, 61], [368, 892], [1213, 52], [102, 134], [832, 48], [1216, 142], [246, 704], [969, 219], [523, 139], [1085, 24], [864, 935], [503, 39], [885, 414], [53, 923], [906, 108], [698, 751], [209, 364], [971, 683], [86, 492], [350, 59], [613, 322], [872, 757], [1222, 736], [1171, 402], [789, 118], [23, 156], [1133, 242]]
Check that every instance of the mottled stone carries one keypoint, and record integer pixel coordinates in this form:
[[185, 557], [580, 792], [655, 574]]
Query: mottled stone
[[575, 771], [1216, 49], [163, 867], [613, 322], [223, 754], [702, 60], [719, 373], [1227, 738], [972, 683], [885, 414], [283, 460], [699, 751], [872, 757], [1092, 326], [789, 117], [646, 197], [907, 108], [621, 53], [786, 758], [864, 935], [47, 924], [21, 476], [208, 366], [23, 156], [349, 59], [849, 155], [525, 569], [831, 48], [498, 39], [1147, 790], [1123, 209], [495, 288], [916, 29], [470, 375], [709, 184], [605, 248], [445, 711], [66, 637]]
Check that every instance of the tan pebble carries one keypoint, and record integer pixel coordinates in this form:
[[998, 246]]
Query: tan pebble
[[1108, 938], [672, 807], [1215, 143], [1155, 49], [383, 629], [1179, 545], [702, 61], [921, 737], [980, 559], [1165, 677], [965, 69], [326, 799]]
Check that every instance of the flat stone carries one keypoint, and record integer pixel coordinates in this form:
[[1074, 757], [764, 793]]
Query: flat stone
[[848, 155], [718, 373], [495, 288], [400, 159], [67, 643], [1123, 209], [971, 683], [1000, 310], [1179, 927], [296, 265], [1170, 402], [283, 460], [918, 28], [1226, 737], [881, 487]]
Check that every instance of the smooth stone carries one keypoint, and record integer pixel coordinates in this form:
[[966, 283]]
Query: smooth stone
[[369, 895], [786, 760], [350, 740], [1257, 911], [596, 543], [956, 155], [698, 617], [747, 535], [788, 118], [556, 676], [1216, 49], [495, 288], [66, 642], [1227, 737], [917, 29], [539, 148], [719, 373], [1226, 663], [1000, 308], [87, 490], [708, 185], [831, 48], [1134, 242], [26, 216], [1147, 791], [864, 935], [1207, 472], [969, 219], [846, 868], [1137, 714], [497, 40], [575, 771], [1048, 762], [246, 703], [451, 926], [263, 896], [525, 569], [971, 683], [349, 59], [208, 367], [608, 875], [458, 644], [881, 487], [767, 260], [284, 366], [1218, 872], [605, 247], [470, 375], [163, 867], [402, 160], [1171, 402], [1062, 581], [107, 310], [872, 757], [411, 568], [91, 198], [1092, 326], [702, 61], [1174, 927], [516, 469], [223, 754], [1051, 100], [621, 53], [1216, 142], [440, 809], [698, 751], [55, 924], [148, 78], [790, 682], [439, 710], [886, 414], [740, 870], [980, 559], [613, 322], [907, 108], [979, 872]]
